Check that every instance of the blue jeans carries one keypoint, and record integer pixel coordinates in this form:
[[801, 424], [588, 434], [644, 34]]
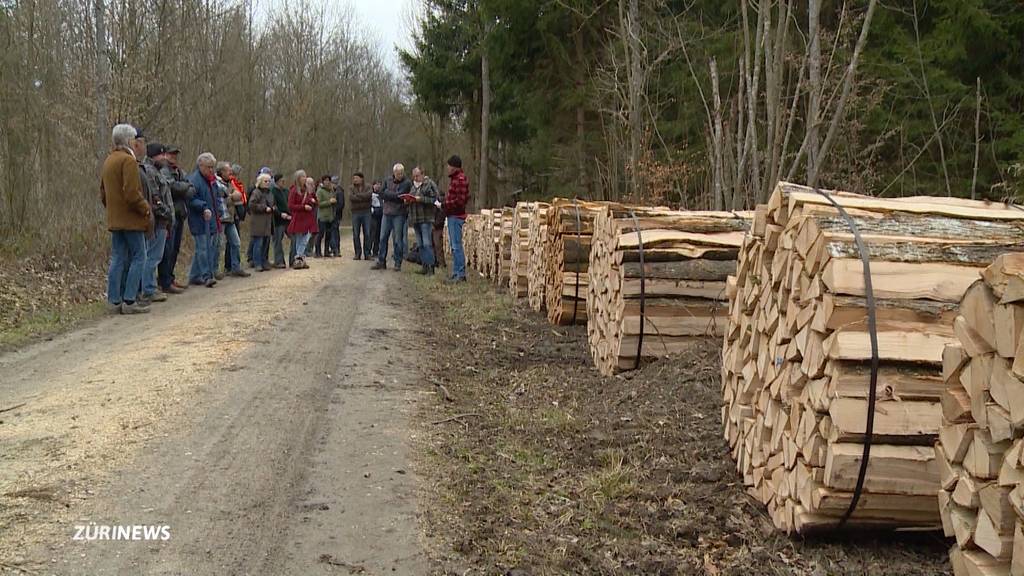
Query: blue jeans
[[232, 248], [165, 272], [127, 261], [203, 259], [154, 254], [361, 223], [425, 239], [395, 223], [455, 239], [300, 242], [258, 258]]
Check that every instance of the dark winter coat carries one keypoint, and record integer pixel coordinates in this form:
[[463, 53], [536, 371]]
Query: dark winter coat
[[422, 210], [205, 198], [260, 221], [390, 195], [359, 199]]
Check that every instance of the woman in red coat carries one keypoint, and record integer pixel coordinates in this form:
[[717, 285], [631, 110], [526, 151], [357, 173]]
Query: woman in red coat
[[302, 204]]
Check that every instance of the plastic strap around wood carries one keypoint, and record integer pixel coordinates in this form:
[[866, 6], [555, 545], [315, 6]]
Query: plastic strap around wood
[[643, 290], [869, 296], [579, 243]]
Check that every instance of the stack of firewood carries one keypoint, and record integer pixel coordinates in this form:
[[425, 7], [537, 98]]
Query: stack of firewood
[[982, 436], [538, 234], [519, 259], [687, 257], [470, 238], [569, 227], [504, 247], [487, 242], [795, 366]]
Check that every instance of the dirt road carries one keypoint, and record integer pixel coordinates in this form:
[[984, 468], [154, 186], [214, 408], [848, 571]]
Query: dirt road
[[265, 423]]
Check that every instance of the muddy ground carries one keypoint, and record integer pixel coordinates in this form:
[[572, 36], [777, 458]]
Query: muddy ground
[[540, 465]]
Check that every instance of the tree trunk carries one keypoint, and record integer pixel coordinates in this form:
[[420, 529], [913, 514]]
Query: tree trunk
[[635, 97], [581, 160], [814, 88], [485, 120], [102, 79]]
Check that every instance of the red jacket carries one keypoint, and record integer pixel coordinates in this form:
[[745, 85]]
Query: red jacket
[[458, 195], [302, 220]]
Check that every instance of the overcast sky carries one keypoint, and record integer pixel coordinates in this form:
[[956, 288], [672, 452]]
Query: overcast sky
[[387, 19]]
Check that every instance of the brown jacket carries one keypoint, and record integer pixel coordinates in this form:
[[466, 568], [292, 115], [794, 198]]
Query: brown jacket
[[121, 193]]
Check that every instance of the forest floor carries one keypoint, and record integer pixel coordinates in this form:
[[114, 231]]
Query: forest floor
[[43, 296], [539, 465]]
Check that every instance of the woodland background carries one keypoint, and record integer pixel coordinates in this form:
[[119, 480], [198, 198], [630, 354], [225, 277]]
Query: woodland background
[[695, 103]]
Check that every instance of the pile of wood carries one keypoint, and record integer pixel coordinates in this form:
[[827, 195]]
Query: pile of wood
[[569, 227], [536, 269], [503, 246], [470, 240], [519, 259], [687, 257], [981, 442], [795, 366], [487, 242]]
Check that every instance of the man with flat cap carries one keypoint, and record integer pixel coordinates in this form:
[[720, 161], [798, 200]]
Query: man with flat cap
[[181, 192]]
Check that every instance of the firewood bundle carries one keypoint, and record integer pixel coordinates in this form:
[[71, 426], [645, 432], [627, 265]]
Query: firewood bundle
[[519, 259], [470, 239], [687, 257], [982, 435], [796, 358], [503, 246], [538, 235], [570, 225], [487, 243]]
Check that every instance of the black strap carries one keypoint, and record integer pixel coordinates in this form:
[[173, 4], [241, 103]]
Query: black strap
[[643, 290], [579, 242], [869, 295]]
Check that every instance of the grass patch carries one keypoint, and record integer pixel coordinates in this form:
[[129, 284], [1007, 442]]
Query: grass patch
[[49, 323]]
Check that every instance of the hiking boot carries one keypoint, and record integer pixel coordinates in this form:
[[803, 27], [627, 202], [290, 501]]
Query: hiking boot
[[265, 268], [279, 266], [172, 289], [210, 283], [218, 276], [114, 308], [180, 286], [378, 265], [134, 308], [240, 273], [155, 297]]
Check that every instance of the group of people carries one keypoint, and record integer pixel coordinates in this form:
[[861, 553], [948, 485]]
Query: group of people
[[149, 199]]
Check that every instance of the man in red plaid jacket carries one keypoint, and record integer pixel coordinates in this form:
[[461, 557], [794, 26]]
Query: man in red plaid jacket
[[455, 213]]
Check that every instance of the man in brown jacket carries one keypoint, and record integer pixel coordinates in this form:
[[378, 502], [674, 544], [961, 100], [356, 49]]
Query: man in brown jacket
[[129, 221]]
